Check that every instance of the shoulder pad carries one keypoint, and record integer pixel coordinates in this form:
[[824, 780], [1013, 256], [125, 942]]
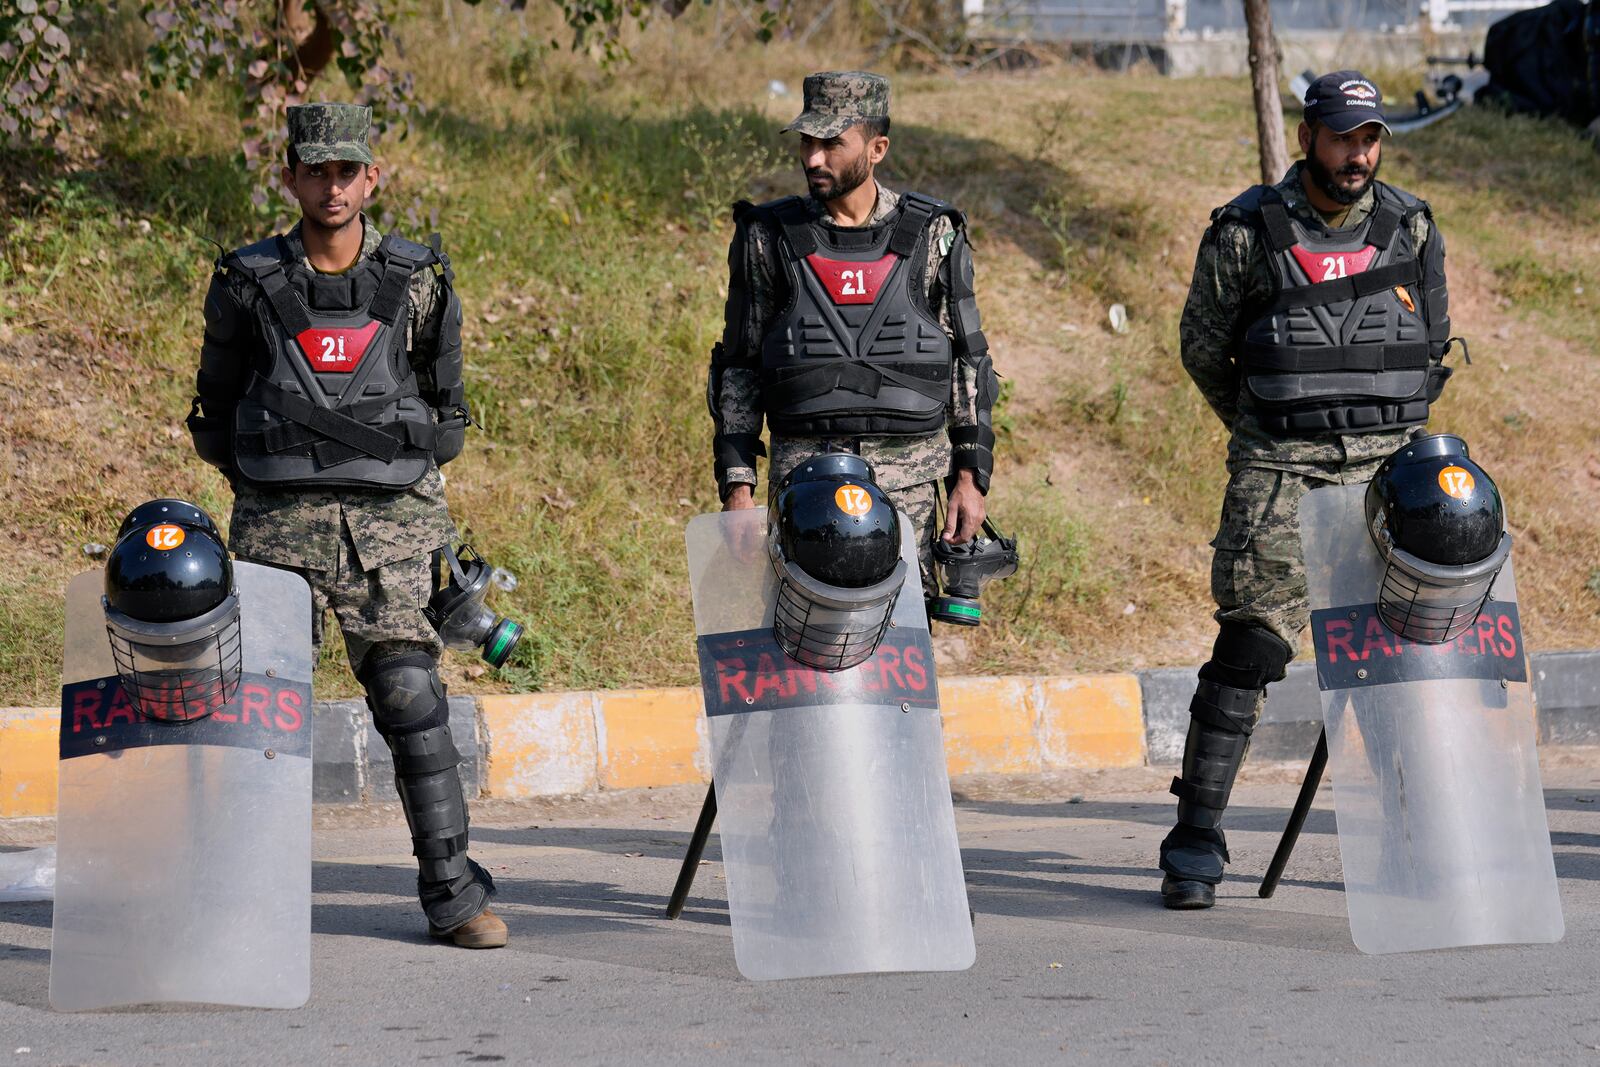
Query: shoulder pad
[[772, 205], [741, 208], [419, 255], [938, 208], [253, 258], [1245, 206], [1406, 201], [269, 246], [928, 203], [768, 211]]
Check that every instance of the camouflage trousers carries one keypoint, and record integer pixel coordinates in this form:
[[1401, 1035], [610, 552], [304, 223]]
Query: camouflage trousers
[[1258, 575], [378, 610], [921, 505]]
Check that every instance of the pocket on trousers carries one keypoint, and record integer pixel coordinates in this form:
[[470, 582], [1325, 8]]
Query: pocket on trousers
[[1250, 493]]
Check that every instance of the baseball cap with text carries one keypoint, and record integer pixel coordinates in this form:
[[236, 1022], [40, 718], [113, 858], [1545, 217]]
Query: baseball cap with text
[[1344, 100]]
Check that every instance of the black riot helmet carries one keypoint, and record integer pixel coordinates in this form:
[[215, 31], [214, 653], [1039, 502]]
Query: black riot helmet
[[834, 540], [965, 569], [172, 613], [458, 608], [1438, 522]]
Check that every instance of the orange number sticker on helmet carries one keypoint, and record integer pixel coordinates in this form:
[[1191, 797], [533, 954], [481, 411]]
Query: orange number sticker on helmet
[[165, 537], [853, 500], [1457, 481]]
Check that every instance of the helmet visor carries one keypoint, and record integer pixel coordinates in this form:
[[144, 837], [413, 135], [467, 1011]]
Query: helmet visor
[[829, 627], [1430, 603], [179, 671]]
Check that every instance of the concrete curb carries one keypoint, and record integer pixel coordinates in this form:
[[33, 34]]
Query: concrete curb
[[1566, 697], [561, 744]]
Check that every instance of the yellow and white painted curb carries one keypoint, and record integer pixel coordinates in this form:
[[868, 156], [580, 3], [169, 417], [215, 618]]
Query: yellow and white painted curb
[[573, 743], [562, 744]]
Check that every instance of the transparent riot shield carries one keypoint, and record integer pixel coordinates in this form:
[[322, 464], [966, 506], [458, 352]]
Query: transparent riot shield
[[184, 849], [1436, 785], [838, 832]]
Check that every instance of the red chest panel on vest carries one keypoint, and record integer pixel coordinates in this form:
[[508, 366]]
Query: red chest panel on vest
[[1331, 266], [851, 283], [338, 349]]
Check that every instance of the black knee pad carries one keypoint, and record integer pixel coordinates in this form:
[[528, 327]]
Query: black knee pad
[[404, 693], [1247, 657]]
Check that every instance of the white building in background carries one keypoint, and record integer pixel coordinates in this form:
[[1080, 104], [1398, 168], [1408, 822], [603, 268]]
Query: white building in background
[[1202, 36]]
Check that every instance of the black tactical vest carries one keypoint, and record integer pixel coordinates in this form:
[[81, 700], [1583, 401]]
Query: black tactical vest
[[1343, 345], [333, 402], [856, 351]]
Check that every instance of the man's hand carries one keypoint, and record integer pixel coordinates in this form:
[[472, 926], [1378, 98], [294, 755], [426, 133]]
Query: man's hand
[[964, 511], [741, 497]]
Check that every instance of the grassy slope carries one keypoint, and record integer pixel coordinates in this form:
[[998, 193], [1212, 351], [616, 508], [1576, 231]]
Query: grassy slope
[[584, 212]]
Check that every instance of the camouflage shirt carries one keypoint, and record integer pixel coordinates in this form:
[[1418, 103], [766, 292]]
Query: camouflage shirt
[[300, 527], [1233, 274], [736, 395]]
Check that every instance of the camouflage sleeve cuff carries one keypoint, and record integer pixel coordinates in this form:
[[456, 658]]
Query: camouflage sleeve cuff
[[734, 477]]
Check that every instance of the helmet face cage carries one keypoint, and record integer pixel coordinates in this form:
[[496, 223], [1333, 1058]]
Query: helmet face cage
[[1436, 518], [826, 627], [1434, 604], [826, 638], [179, 672]]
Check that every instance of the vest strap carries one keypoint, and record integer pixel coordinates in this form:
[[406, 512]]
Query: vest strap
[[796, 223], [1385, 224], [789, 386], [286, 303], [1366, 283], [915, 214], [1280, 231], [327, 422], [1376, 359], [395, 287]]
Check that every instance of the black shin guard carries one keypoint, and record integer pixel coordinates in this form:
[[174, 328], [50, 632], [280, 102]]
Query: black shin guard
[[1222, 716], [413, 715], [1221, 719]]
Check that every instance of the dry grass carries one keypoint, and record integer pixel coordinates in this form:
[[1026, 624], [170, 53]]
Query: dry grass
[[584, 210]]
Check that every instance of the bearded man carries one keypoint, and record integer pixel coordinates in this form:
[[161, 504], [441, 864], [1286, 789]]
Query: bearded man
[[851, 325], [1316, 328]]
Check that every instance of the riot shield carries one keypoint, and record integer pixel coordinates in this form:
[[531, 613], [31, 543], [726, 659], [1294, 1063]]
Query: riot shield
[[184, 848], [838, 832], [1436, 787]]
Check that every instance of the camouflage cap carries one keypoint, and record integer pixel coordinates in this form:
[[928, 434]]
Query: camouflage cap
[[836, 100], [321, 133]]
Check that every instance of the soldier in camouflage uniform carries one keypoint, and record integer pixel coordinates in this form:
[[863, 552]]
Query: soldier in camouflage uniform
[[1316, 328], [851, 325], [329, 393]]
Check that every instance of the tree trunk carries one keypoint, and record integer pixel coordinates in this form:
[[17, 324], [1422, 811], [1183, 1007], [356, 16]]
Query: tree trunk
[[1264, 63], [312, 36]]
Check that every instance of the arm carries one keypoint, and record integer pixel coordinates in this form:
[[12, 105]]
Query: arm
[[973, 390], [1435, 302], [436, 357], [733, 382], [1435, 293], [1217, 296], [224, 372]]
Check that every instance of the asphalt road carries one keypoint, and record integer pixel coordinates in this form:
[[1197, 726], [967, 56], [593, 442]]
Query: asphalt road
[[1076, 962]]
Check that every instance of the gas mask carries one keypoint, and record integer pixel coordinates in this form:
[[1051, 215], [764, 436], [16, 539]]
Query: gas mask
[[964, 570], [458, 611]]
